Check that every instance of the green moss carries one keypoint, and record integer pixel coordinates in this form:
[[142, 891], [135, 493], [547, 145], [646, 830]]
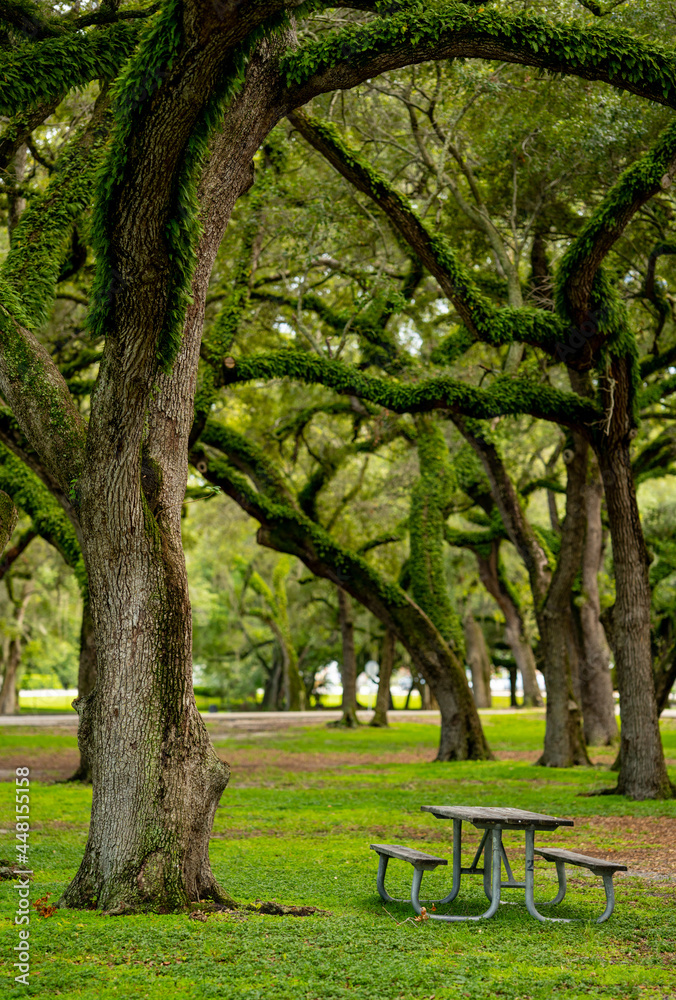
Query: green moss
[[593, 51], [483, 321], [430, 497], [36, 72], [48, 518], [42, 238], [135, 90], [506, 395]]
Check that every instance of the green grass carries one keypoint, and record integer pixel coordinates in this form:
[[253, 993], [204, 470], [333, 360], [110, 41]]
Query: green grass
[[298, 831]]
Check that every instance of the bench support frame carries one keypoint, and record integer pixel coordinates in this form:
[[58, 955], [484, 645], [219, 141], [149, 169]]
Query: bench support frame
[[561, 873], [493, 855]]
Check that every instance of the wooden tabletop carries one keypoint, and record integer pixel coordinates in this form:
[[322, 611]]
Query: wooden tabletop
[[489, 815]]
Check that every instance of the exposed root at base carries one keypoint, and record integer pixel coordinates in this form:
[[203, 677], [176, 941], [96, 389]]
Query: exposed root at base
[[202, 911]]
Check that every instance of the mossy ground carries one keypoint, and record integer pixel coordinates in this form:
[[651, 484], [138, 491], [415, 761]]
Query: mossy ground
[[295, 824]]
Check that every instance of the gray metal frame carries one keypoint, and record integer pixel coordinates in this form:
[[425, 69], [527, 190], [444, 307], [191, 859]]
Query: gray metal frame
[[493, 851], [561, 873]]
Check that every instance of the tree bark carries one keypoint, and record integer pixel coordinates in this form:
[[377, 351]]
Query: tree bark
[[479, 661], [494, 582], [384, 678], [643, 773], [155, 796], [348, 671], [596, 687]]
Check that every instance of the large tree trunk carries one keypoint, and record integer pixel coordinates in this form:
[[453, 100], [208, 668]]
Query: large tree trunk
[[494, 582], [384, 678], [596, 686], [86, 681], [348, 671], [156, 778], [479, 661], [155, 796], [643, 773]]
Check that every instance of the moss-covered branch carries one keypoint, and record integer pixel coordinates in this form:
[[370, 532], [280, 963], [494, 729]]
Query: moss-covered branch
[[19, 127], [477, 541], [49, 520], [577, 271], [38, 397], [494, 326], [288, 530], [42, 238], [429, 499], [506, 395], [249, 458], [657, 390], [35, 72], [343, 59]]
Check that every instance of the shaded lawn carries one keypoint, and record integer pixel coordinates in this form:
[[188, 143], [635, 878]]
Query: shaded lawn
[[300, 835]]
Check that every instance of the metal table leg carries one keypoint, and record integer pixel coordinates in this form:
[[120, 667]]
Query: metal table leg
[[493, 851]]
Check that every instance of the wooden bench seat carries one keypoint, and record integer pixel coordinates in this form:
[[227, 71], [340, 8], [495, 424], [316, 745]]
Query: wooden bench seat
[[599, 866], [428, 862], [581, 860], [421, 861]]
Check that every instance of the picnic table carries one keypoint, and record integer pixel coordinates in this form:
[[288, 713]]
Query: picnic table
[[493, 820]]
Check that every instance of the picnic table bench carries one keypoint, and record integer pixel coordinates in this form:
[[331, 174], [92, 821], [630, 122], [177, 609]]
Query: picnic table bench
[[493, 821]]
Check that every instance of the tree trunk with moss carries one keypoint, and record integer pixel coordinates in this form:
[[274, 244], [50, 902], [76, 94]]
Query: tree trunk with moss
[[479, 661], [385, 667], [155, 797], [140, 853], [430, 498]]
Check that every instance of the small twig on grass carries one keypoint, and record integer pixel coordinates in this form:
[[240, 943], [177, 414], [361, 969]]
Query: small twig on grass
[[409, 920]]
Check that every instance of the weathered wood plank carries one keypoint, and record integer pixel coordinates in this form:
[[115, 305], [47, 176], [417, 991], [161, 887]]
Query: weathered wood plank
[[407, 854], [582, 860], [493, 814]]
